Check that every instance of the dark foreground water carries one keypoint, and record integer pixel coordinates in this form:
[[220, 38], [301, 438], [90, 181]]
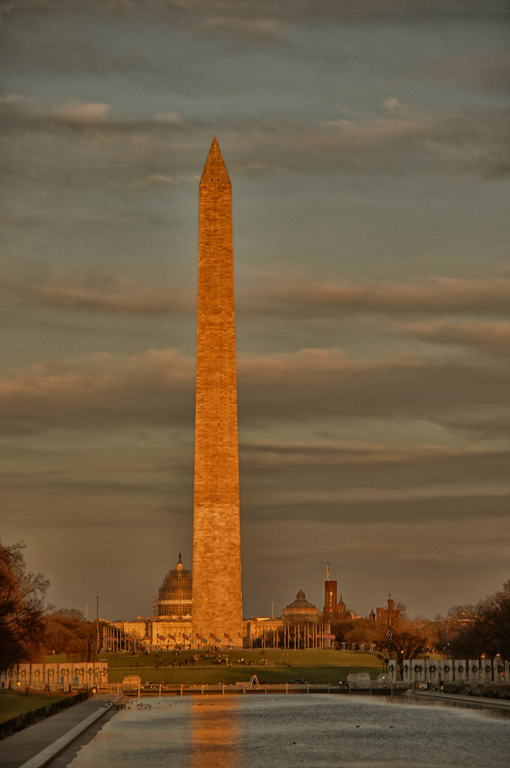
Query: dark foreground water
[[314, 731]]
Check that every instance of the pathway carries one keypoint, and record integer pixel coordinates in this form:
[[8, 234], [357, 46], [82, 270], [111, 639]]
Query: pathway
[[17, 749]]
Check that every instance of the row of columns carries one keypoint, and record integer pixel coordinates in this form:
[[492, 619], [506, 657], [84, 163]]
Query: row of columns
[[470, 672], [114, 640], [298, 636], [312, 635], [55, 675]]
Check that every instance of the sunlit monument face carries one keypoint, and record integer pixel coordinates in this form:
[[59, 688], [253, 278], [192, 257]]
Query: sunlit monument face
[[217, 600]]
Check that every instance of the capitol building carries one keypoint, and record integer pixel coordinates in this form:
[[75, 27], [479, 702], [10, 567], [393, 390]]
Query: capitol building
[[174, 601], [172, 610]]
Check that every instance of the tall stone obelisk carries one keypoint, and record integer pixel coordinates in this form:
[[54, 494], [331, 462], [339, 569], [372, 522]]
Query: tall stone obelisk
[[217, 598]]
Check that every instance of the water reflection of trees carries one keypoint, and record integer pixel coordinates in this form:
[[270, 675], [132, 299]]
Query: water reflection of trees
[[215, 732]]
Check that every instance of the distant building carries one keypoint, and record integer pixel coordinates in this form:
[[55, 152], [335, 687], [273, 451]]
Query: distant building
[[330, 588], [174, 601], [170, 626], [331, 605], [171, 623], [136, 628], [265, 628], [155, 634], [389, 615], [300, 607], [303, 625], [168, 634]]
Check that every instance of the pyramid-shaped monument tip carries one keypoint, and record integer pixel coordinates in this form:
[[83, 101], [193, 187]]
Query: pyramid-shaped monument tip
[[215, 168]]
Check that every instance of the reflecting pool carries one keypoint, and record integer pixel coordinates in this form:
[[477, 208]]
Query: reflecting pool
[[298, 731]]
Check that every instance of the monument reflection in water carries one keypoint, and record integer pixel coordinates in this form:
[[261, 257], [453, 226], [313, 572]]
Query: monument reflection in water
[[215, 734], [315, 731]]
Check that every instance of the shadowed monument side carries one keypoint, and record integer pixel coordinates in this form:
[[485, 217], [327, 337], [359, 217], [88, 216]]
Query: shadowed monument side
[[217, 598]]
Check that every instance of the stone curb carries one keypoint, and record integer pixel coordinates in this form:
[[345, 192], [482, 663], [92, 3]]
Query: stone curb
[[49, 753], [480, 701]]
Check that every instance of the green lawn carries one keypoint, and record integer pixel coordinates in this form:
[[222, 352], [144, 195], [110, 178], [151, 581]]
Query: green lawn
[[277, 657], [270, 667], [199, 675], [14, 703]]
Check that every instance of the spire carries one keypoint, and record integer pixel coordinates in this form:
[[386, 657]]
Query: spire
[[215, 172]]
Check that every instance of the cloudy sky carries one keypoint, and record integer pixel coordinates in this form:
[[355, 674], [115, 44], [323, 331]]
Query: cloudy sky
[[369, 155]]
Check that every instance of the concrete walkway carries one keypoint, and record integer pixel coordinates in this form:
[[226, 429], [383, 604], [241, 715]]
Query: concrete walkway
[[457, 698], [24, 745]]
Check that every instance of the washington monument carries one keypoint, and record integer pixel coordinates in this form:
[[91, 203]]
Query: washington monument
[[217, 598]]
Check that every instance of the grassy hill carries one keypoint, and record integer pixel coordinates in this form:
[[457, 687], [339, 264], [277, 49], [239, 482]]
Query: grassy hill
[[272, 666]]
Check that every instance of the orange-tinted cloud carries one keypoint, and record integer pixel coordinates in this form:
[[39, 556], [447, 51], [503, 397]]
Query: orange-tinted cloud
[[100, 293], [284, 296], [405, 138], [433, 296], [491, 338], [156, 388]]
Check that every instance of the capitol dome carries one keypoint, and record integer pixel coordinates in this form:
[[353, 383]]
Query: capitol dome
[[175, 594]]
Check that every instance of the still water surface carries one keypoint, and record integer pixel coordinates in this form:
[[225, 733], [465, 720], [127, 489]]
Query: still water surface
[[314, 731]]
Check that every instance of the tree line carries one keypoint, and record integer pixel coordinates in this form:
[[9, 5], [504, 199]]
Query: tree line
[[28, 629], [409, 639], [481, 629], [468, 632]]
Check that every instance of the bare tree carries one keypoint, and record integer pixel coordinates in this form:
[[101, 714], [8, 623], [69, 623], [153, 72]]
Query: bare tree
[[402, 612], [484, 628], [21, 607], [408, 643]]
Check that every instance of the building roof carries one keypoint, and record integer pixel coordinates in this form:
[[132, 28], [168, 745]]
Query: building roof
[[301, 605]]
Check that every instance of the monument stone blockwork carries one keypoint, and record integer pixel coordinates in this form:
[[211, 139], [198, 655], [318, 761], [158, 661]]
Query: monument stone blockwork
[[217, 598]]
